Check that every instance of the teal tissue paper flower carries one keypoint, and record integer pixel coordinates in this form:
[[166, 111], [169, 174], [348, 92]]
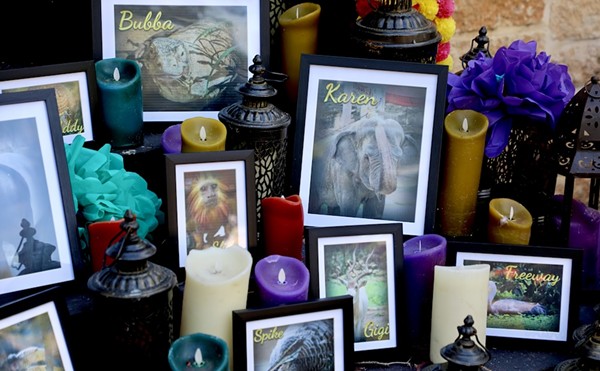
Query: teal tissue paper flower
[[104, 190]]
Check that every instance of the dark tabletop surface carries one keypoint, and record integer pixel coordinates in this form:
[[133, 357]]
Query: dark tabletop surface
[[501, 360]]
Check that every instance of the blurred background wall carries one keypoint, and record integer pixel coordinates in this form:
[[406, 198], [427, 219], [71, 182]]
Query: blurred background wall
[[566, 30]]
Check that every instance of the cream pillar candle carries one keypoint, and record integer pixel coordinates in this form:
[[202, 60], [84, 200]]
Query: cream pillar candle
[[216, 284], [457, 292]]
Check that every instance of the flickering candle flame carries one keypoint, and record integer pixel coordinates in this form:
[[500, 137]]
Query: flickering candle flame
[[465, 125], [511, 216], [281, 277], [216, 268], [198, 360], [203, 134], [420, 247], [116, 74]]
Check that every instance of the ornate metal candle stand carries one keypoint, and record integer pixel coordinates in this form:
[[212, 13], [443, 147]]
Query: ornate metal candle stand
[[464, 354], [257, 124], [134, 302], [395, 30]]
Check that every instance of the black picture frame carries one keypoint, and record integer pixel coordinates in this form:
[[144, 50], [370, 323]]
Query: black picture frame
[[310, 323], [215, 45], [37, 327], [234, 170], [76, 91], [38, 208], [342, 103], [339, 262], [527, 276]]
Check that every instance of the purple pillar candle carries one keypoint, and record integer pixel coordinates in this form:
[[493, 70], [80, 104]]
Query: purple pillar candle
[[171, 139], [421, 255], [583, 234], [281, 280]]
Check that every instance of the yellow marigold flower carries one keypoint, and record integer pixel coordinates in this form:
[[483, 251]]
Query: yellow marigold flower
[[429, 8], [446, 27]]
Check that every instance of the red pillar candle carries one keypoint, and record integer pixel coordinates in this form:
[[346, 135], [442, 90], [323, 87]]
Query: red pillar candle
[[283, 226], [102, 235], [281, 280], [421, 255]]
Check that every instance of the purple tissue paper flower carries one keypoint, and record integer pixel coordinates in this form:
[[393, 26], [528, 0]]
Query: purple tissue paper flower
[[515, 82]]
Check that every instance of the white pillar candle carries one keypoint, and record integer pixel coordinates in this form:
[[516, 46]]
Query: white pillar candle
[[457, 292], [216, 284]]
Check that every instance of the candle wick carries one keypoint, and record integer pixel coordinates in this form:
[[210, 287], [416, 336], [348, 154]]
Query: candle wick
[[203, 134], [465, 125], [116, 74], [281, 277], [216, 268], [198, 360]]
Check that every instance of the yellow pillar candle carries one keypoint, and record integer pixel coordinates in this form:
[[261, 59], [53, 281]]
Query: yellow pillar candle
[[202, 134], [465, 132], [299, 35], [509, 222], [216, 284], [457, 292]]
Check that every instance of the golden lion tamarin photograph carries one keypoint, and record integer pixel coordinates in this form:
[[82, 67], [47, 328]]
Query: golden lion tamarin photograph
[[211, 210]]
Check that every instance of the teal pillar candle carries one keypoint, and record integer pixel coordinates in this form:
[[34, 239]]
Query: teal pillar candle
[[199, 351], [120, 92]]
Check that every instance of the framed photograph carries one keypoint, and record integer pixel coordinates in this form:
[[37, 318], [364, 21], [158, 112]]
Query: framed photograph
[[368, 141], [75, 88], [313, 335], [532, 292], [365, 262], [31, 329], [211, 200], [193, 54], [38, 229]]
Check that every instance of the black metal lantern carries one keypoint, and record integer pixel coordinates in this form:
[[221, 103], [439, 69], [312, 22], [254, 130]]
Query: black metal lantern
[[134, 302], [464, 354], [587, 344], [397, 31], [257, 124], [578, 146], [479, 44]]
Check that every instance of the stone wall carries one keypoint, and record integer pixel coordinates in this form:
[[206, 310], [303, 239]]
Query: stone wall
[[569, 31]]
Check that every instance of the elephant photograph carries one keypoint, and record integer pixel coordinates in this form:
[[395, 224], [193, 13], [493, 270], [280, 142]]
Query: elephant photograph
[[366, 151]]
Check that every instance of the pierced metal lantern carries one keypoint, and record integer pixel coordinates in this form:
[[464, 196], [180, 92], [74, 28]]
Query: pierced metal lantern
[[578, 146], [464, 354], [479, 44], [257, 124], [397, 31], [134, 302]]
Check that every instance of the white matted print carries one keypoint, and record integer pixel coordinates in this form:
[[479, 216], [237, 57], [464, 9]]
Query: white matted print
[[368, 141], [193, 53]]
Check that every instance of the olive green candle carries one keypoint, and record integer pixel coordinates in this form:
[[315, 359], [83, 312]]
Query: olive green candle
[[465, 132], [509, 222]]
